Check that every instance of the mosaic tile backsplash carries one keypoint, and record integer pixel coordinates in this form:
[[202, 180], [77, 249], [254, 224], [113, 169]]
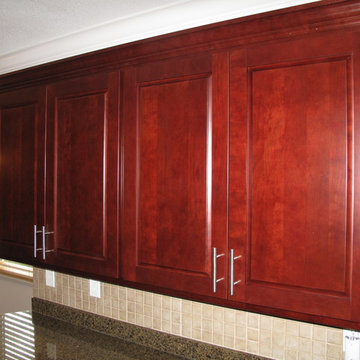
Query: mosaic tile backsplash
[[263, 335]]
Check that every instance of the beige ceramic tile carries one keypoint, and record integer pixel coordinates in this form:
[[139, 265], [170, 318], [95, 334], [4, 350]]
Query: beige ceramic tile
[[266, 322], [334, 351], [176, 328], [229, 316], [265, 349], [207, 311], [253, 320], [319, 333], [240, 344], [252, 347], [258, 334], [334, 336], [196, 334], [240, 317], [240, 332], [166, 302], [279, 325], [187, 307], [229, 341], [229, 329], [252, 334], [218, 313], [207, 336], [306, 331], [218, 339], [305, 345], [291, 355], [292, 342], [176, 305], [292, 328]]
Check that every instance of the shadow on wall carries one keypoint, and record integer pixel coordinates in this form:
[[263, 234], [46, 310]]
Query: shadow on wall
[[15, 294]]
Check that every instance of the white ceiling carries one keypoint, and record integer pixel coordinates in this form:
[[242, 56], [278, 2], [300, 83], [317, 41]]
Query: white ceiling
[[37, 31]]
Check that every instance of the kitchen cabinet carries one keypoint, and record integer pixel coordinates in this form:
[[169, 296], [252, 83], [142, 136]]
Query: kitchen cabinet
[[60, 195], [175, 148], [22, 134], [219, 164], [82, 172], [294, 183], [289, 196]]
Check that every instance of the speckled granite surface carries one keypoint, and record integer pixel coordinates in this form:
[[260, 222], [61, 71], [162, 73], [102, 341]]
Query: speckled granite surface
[[86, 332]]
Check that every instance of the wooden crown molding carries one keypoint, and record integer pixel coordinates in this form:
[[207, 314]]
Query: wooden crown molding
[[328, 15]]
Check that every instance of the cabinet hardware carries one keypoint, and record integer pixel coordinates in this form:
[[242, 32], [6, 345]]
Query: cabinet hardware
[[35, 240], [44, 233], [232, 282], [215, 280]]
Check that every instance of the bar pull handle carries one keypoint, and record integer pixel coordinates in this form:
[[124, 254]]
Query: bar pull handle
[[232, 282], [215, 279], [44, 233], [36, 249]]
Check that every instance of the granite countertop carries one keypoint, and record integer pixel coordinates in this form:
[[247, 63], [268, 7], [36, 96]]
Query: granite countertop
[[57, 332], [29, 335]]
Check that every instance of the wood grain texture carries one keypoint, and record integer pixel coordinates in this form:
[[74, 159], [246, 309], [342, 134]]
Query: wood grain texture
[[82, 163], [22, 126], [172, 152], [297, 214], [284, 174]]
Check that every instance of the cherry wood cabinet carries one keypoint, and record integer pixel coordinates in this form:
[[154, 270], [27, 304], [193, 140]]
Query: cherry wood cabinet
[[268, 181], [175, 148], [294, 183], [61, 174], [82, 172], [242, 138], [22, 147]]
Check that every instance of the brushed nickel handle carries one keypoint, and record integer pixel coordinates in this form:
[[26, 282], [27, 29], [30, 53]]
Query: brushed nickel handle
[[215, 279], [36, 231], [44, 233], [232, 282]]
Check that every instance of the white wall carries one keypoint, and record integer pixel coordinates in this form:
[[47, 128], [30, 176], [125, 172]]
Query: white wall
[[179, 15], [15, 294]]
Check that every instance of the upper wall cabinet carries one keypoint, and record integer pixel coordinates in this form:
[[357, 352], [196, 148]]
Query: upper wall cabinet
[[294, 184], [22, 130], [174, 149], [82, 172]]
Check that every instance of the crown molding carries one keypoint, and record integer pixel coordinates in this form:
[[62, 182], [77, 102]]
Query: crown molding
[[178, 16]]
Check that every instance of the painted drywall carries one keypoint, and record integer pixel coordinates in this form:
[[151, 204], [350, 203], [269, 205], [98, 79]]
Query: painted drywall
[[15, 294]]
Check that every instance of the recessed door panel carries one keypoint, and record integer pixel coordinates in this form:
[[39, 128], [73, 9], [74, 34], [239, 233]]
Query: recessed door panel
[[82, 161], [173, 146], [80, 128], [21, 171], [300, 176], [174, 179], [292, 176]]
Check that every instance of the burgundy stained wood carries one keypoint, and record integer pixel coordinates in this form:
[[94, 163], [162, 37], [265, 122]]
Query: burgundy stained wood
[[82, 172], [22, 127], [174, 180], [284, 188], [296, 232]]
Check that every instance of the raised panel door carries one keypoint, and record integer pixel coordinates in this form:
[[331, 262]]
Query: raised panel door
[[82, 161], [175, 173], [292, 183], [22, 129]]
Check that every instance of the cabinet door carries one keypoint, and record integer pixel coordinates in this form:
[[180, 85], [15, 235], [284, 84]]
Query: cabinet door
[[175, 149], [22, 126], [82, 166], [294, 176]]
